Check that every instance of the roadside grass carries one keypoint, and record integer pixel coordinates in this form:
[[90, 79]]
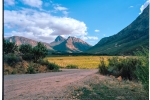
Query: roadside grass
[[26, 67], [112, 90]]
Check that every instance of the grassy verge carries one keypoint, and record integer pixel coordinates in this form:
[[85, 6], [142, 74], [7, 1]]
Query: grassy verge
[[112, 90], [26, 67]]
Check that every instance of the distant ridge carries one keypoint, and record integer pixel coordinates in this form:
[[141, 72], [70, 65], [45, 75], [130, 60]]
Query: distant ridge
[[22, 40], [72, 45], [69, 45], [128, 40]]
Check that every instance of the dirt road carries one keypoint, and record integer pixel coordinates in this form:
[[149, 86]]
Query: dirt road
[[46, 86]]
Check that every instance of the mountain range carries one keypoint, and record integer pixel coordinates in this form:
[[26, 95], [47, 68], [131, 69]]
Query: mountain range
[[72, 45], [127, 41], [22, 40], [60, 44]]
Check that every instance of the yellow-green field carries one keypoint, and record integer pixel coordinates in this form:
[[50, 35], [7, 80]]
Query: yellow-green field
[[83, 62]]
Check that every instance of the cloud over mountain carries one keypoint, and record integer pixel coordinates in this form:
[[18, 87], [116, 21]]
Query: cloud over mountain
[[35, 22], [42, 24]]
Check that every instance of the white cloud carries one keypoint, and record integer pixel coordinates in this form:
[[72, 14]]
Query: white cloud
[[9, 2], [60, 8], [144, 6], [131, 6], [41, 25], [97, 30], [33, 3]]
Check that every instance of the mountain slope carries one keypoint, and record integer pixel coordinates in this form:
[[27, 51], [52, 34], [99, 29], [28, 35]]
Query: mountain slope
[[22, 40], [57, 41], [72, 45], [127, 40]]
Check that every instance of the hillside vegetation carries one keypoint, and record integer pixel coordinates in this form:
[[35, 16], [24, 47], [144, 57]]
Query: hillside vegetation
[[26, 59]]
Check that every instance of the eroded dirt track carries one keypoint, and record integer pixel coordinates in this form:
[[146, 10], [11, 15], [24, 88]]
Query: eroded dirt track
[[45, 86]]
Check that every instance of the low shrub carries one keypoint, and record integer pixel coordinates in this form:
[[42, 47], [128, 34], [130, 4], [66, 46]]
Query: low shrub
[[142, 71], [72, 66], [53, 66], [14, 72], [102, 67], [43, 62], [50, 66], [11, 59], [124, 67], [30, 69]]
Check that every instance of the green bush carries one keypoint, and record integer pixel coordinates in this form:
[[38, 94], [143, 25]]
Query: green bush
[[129, 67], [39, 52], [30, 69], [11, 59], [53, 66], [102, 67], [72, 66], [14, 72], [43, 62], [124, 67], [50, 66], [142, 72]]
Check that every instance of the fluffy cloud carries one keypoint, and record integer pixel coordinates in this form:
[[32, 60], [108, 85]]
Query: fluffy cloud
[[9, 2], [144, 6], [97, 30], [42, 25], [33, 3]]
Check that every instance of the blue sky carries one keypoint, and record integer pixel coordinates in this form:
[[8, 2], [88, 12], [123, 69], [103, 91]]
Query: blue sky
[[90, 20]]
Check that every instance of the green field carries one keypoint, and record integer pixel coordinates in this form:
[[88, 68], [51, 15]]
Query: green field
[[83, 62]]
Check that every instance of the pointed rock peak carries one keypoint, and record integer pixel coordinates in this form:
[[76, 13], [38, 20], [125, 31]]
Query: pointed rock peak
[[59, 38]]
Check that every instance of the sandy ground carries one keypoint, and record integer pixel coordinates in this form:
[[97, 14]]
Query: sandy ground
[[48, 86]]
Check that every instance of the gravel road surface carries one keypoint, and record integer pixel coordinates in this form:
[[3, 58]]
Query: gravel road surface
[[46, 86]]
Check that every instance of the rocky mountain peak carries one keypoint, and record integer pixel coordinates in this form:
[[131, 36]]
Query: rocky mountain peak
[[74, 39], [59, 38]]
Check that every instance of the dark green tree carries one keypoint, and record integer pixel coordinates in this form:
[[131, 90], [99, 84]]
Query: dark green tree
[[26, 50], [39, 51], [9, 47]]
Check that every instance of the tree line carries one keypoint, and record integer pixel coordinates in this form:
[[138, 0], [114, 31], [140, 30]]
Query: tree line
[[26, 50]]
